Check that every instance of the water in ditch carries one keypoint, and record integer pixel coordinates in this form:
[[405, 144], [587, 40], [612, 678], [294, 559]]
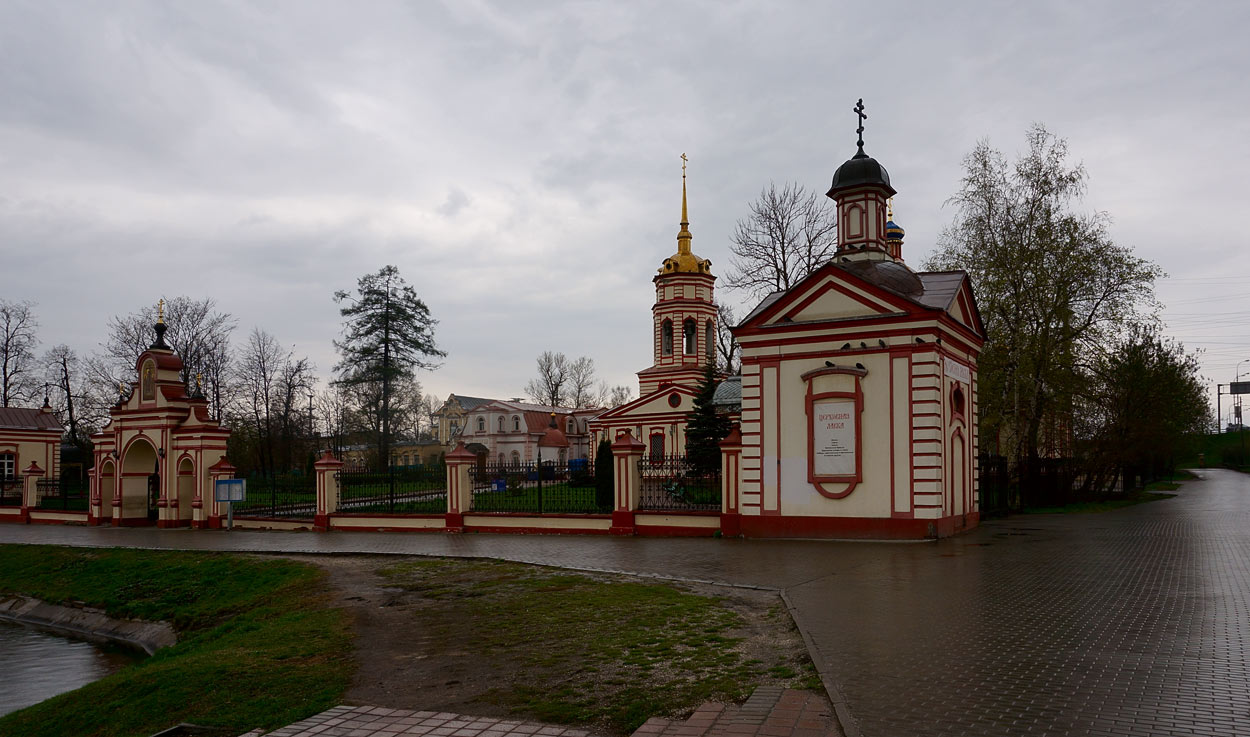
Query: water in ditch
[[37, 665]]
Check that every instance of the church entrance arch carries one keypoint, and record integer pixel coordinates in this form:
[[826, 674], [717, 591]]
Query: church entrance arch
[[141, 482], [186, 490], [107, 488], [162, 443]]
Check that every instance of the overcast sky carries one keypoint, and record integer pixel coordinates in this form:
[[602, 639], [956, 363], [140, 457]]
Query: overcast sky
[[519, 161]]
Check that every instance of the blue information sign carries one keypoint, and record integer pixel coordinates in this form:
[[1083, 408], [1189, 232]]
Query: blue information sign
[[230, 490]]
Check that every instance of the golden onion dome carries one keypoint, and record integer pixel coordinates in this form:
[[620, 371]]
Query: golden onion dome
[[685, 261]]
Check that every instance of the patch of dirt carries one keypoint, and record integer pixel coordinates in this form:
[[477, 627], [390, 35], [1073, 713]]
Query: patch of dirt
[[415, 652]]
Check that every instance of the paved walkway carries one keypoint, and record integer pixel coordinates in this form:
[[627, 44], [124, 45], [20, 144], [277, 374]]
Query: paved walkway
[[1123, 623], [769, 712], [376, 721]]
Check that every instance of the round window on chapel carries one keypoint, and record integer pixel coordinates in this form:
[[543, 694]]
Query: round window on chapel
[[674, 399]]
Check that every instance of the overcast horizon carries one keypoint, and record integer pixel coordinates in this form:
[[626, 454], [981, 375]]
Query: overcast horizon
[[519, 162]]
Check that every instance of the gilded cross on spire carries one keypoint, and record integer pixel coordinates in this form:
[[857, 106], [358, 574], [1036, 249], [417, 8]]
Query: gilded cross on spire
[[685, 220], [859, 110], [160, 311]]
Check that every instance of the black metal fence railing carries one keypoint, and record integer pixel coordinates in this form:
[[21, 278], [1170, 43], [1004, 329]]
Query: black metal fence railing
[[673, 483], [1048, 482], [397, 490], [287, 497], [63, 494], [997, 496], [556, 488], [10, 491]]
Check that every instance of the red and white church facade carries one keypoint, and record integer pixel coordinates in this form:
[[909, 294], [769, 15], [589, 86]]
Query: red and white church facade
[[858, 410], [859, 390]]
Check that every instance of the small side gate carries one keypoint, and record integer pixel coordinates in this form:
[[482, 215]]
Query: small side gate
[[673, 483]]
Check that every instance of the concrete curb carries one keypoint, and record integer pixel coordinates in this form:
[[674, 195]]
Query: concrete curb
[[88, 624], [841, 709]]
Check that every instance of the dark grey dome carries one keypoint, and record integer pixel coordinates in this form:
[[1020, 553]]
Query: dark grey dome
[[858, 171], [889, 274]]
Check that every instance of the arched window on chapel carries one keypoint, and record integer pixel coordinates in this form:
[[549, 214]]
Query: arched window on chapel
[[688, 341], [666, 337]]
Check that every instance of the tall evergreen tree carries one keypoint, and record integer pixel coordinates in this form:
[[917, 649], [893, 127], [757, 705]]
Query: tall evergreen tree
[[605, 482], [705, 427], [387, 334]]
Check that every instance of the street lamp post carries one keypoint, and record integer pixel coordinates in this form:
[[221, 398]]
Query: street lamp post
[[1241, 418]]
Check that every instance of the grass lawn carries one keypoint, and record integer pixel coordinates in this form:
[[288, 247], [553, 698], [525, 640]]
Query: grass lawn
[[557, 496], [420, 506], [1152, 493], [574, 649], [258, 644]]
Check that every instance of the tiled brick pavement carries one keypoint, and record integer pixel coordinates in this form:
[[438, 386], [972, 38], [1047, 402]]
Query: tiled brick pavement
[[375, 721], [769, 712], [1134, 622]]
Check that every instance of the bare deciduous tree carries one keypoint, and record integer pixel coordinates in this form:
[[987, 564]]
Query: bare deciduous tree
[[581, 383], [787, 235], [612, 396], [727, 358], [336, 416], [197, 332], [550, 386], [79, 411], [259, 369], [17, 353], [429, 423], [295, 385]]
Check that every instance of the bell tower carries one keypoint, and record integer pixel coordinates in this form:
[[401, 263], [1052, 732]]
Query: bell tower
[[861, 189], [684, 314]]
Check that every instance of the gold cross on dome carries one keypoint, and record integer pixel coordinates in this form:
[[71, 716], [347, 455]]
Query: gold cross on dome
[[160, 310]]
